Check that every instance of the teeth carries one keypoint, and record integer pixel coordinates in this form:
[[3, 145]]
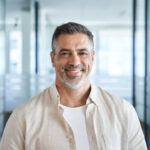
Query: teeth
[[74, 73]]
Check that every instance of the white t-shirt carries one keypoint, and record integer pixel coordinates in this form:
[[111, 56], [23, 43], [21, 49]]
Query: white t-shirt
[[75, 116]]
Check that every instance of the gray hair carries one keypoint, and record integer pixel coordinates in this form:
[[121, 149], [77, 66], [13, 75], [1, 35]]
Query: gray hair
[[71, 28]]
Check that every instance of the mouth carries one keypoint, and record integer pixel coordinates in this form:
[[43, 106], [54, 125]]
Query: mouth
[[73, 71]]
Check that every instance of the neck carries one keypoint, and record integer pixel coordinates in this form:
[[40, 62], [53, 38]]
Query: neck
[[73, 97]]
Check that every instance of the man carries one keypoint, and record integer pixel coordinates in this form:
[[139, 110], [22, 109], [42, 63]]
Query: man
[[73, 114]]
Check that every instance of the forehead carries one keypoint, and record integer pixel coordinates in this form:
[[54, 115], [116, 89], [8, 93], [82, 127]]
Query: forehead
[[73, 40]]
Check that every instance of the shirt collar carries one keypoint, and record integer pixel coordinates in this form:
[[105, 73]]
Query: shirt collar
[[55, 97], [94, 97]]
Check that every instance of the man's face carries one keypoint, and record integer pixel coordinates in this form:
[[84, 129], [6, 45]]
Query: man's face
[[72, 59]]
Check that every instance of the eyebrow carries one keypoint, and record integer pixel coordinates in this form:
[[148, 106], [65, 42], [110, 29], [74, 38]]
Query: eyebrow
[[82, 49], [64, 49]]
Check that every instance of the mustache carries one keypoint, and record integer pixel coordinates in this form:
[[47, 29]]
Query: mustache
[[69, 67]]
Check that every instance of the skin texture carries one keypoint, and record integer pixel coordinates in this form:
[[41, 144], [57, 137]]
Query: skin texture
[[73, 60]]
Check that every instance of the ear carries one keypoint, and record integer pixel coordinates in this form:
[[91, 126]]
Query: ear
[[93, 55], [52, 57]]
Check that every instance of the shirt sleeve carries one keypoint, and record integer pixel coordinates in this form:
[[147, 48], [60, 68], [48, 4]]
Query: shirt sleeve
[[13, 137], [136, 138]]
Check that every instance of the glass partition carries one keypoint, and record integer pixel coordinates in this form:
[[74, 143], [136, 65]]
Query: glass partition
[[139, 58], [147, 85], [113, 61], [2, 60]]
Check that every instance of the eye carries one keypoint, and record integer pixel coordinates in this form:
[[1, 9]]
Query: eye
[[83, 53], [64, 54]]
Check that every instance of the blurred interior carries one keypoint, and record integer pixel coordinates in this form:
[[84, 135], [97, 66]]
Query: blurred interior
[[121, 33]]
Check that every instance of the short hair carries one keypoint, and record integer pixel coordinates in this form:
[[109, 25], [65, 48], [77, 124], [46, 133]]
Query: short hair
[[71, 28]]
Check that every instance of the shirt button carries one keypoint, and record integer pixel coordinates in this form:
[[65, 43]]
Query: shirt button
[[70, 138]]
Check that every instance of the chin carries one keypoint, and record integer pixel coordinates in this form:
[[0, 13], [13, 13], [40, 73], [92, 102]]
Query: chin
[[74, 86]]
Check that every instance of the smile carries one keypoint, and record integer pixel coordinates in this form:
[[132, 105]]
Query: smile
[[74, 73]]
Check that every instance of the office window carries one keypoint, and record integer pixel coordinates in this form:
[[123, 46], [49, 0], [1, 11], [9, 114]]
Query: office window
[[114, 61], [2, 50], [15, 51]]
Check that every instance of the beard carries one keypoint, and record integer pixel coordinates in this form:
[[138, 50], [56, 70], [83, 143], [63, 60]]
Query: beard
[[73, 82], [73, 85]]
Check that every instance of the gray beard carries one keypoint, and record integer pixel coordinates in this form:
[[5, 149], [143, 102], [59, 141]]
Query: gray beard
[[73, 86]]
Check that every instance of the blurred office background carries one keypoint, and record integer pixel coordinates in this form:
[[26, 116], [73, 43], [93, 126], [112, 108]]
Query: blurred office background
[[122, 36]]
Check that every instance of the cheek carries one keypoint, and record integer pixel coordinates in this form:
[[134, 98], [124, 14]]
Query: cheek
[[59, 66], [89, 67], [57, 62], [88, 63]]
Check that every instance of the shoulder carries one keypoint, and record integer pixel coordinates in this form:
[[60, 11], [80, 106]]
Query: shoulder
[[37, 100], [113, 104], [120, 113], [34, 105], [117, 108], [107, 98]]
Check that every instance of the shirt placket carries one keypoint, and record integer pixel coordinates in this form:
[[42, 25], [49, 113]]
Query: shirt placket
[[69, 132], [94, 129], [90, 127]]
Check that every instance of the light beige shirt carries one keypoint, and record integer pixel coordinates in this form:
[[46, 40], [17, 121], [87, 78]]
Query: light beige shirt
[[112, 124]]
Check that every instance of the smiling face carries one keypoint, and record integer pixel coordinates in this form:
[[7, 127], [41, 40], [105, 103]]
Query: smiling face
[[73, 59]]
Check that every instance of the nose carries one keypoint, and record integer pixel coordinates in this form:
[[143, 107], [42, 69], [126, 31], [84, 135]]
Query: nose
[[74, 59]]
